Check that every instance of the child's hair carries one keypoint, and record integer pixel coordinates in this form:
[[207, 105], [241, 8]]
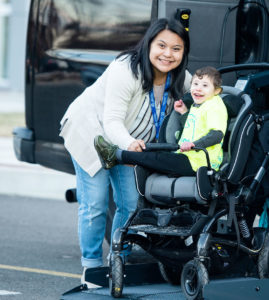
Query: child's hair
[[212, 73]]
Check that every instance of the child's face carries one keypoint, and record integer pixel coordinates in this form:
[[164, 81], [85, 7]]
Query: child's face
[[203, 89]]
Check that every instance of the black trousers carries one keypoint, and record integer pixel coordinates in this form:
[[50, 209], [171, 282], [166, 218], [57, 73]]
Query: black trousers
[[160, 161]]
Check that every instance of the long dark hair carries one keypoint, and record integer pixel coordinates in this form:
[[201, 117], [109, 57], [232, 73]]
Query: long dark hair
[[140, 56]]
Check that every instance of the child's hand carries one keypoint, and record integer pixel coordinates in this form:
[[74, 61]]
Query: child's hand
[[186, 146], [180, 107]]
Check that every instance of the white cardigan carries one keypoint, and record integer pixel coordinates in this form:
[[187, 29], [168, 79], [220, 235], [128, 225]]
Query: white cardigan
[[108, 107]]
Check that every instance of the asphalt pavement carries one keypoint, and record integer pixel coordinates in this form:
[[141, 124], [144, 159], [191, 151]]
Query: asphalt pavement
[[24, 179], [39, 250]]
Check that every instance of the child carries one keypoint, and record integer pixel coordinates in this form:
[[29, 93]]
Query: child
[[205, 127]]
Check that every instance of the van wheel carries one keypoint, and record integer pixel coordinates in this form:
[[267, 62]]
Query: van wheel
[[116, 276], [263, 259], [193, 279], [170, 274]]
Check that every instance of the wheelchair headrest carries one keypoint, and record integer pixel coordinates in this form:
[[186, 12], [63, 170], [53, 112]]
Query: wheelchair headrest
[[233, 104], [232, 98]]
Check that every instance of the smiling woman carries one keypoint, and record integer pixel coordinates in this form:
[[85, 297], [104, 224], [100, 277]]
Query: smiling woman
[[166, 53], [127, 104]]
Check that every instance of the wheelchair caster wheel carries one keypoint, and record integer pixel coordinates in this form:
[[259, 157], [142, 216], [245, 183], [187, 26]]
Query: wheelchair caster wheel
[[170, 274], [116, 276], [194, 277]]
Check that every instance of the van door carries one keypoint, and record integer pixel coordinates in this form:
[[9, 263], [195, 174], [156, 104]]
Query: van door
[[212, 29]]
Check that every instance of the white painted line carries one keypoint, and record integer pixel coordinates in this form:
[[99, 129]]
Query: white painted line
[[5, 293], [40, 271], [46, 272]]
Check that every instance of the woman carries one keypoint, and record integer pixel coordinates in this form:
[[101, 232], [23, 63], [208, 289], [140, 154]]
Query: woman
[[126, 105]]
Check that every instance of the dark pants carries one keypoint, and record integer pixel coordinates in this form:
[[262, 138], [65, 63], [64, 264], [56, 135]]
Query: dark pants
[[160, 161]]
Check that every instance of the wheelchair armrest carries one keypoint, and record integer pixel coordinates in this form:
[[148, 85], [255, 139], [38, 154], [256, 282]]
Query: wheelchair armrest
[[209, 169], [161, 147]]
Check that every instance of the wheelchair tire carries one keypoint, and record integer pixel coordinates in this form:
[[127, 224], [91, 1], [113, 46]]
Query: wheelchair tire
[[194, 277], [263, 259], [170, 274], [116, 276]]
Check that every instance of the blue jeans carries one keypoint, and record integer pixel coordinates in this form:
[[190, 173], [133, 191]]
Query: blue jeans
[[93, 196]]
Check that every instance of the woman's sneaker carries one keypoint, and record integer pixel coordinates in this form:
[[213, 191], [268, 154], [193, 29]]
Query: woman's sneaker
[[106, 152], [86, 283]]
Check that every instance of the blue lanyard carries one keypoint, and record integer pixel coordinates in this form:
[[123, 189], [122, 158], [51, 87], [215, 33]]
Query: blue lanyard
[[157, 122]]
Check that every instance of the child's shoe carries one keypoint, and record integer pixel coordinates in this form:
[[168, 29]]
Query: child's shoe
[[106, 152]]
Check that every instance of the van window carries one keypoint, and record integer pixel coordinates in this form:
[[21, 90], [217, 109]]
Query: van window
[[96, 24]]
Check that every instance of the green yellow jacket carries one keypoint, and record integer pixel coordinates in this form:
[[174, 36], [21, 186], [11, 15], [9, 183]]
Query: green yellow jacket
[[210, 115]]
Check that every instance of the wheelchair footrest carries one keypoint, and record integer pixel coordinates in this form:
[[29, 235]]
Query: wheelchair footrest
[[166, 230]]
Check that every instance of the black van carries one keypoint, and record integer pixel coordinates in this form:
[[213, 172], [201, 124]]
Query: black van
[[70, 43]]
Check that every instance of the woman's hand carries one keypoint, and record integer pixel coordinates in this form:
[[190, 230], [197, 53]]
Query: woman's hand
[[180, 107], [186, 146], [137, 146]]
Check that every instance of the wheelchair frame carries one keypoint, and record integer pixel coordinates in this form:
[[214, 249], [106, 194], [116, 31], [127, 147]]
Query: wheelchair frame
[[202, 245]]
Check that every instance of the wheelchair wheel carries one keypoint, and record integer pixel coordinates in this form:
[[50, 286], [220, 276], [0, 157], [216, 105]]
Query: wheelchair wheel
[[194, 277], [263, 259], [170, 274], [116, 276]]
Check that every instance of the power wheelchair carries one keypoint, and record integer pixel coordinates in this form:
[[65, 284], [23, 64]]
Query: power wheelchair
[[204, 225]]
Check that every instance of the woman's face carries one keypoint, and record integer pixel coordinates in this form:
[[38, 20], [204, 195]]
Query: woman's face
[[166, 51]]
